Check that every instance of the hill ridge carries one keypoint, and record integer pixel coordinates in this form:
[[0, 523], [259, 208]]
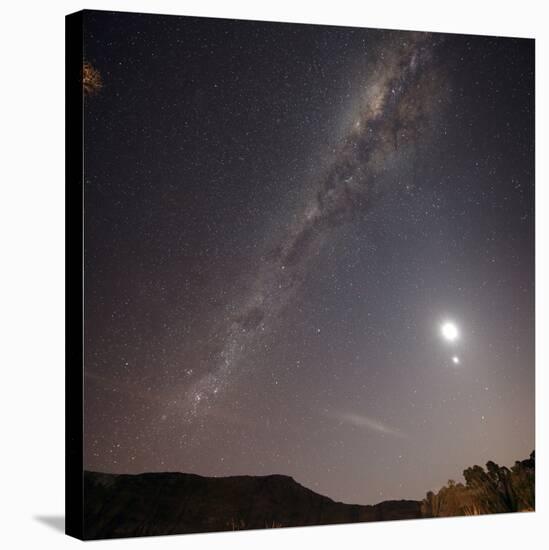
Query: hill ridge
[[155, 503]]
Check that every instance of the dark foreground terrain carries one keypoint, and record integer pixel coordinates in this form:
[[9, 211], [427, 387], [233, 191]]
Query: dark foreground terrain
[[170, 503]]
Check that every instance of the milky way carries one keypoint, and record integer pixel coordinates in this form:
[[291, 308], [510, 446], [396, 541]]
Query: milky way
[[394, 113]]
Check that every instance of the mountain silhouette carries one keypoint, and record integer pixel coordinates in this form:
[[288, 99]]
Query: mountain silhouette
[[123, 505]]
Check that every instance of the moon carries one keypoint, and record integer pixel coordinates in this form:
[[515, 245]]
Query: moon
[[455, 360], [449, 331]]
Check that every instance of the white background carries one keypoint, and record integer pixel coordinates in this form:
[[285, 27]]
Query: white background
[[32, 270]]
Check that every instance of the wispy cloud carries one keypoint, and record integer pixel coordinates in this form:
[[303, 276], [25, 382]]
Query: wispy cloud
[[369, 423]]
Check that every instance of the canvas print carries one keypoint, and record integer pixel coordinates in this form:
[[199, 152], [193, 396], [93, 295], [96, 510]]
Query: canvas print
[[307, 273]]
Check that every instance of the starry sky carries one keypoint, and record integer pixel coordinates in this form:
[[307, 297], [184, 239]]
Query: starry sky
[[279, 221]]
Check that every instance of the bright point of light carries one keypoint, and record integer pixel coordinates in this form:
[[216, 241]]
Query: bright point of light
[[449, 331], [455, 360]]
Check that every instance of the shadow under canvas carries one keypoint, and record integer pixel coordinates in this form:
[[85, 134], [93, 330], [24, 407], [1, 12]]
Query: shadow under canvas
[[55, 522]]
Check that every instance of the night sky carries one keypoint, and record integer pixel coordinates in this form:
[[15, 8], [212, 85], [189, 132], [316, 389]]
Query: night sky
[[308, 251]]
